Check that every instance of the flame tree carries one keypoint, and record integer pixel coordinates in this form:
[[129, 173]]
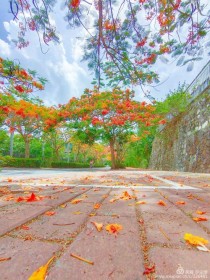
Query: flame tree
[[110, 116], [124, 37]]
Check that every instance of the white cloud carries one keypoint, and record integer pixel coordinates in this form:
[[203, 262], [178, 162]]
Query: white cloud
[[61, 66], [4, 48]]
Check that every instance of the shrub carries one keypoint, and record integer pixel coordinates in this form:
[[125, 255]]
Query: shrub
[[73, 165], [8, 161]]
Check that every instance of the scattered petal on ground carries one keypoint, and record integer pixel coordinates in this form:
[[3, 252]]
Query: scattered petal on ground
[[113, 228], [97, 206], [180, 202], [149, 270], [49, 213], [200, 219], [76, 201], [125, 196], [200, 212], [161, 202], [25, 227], [98, 226]]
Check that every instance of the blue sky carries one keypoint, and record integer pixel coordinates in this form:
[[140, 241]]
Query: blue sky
[[67, 76]]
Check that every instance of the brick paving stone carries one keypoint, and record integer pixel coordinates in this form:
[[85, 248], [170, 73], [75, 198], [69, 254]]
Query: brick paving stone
[[26, 257], [119, 207], [151, 199], [95, 195], [44, 227], [3, 202], [14, 215], [180, 264], [200, 181], [117, 258]]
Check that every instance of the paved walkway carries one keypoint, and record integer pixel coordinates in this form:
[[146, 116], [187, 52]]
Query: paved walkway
[[155, 210]]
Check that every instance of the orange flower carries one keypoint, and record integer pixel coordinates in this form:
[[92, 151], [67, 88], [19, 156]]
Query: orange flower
[[180, 202], [24, 227], [98, 226], [195, 240], [75, 3], [200, 219], [200, 212], [161, 202], [49, 213], [113, 228], [97, 205], [33, 197], [126, 196], [76, 201], [19, 199]]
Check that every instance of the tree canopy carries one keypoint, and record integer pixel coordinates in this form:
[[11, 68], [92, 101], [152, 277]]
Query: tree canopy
[[124, 37], [111, 116]]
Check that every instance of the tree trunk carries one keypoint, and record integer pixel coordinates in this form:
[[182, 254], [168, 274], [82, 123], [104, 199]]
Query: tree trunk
[[111, 143], [43, 150], [57, 154], [27, 147], [11, 144]]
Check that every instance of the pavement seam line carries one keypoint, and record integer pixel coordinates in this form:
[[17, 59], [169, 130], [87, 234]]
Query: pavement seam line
[[144, 244]]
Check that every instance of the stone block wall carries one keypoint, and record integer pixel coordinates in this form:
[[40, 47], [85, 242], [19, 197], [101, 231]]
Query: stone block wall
[[184, 143]]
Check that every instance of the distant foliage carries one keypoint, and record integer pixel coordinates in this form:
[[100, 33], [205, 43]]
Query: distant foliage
[[175, 102]]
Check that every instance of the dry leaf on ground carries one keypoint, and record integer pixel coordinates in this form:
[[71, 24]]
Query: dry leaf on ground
[[5, 259], [77, 213], [81, 259], [141, 202], [41, 272], [195, 240], [98, 226]]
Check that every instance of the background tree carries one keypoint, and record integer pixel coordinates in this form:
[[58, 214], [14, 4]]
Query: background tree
[[16, 81], [115, 115]]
